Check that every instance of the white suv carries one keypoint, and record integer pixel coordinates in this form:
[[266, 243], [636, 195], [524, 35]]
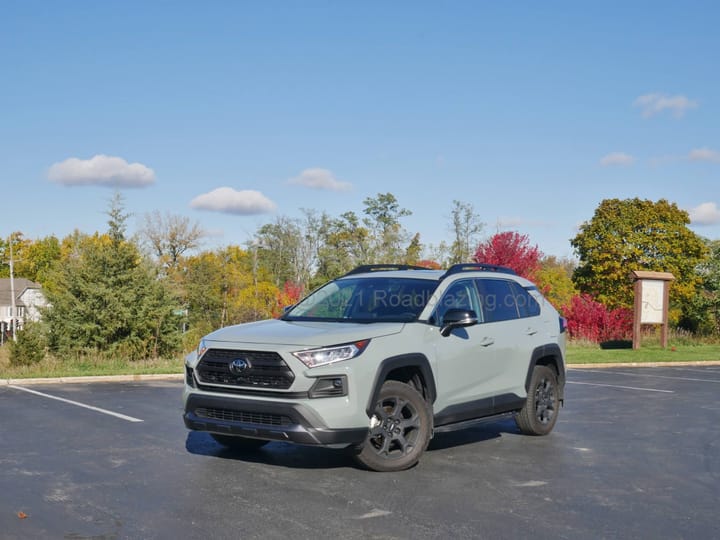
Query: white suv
[[382, 358]]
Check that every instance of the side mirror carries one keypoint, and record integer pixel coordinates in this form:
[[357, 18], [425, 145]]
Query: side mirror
[[457, 318]]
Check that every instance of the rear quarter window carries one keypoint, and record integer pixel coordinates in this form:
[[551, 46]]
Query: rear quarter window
[[526, 303]]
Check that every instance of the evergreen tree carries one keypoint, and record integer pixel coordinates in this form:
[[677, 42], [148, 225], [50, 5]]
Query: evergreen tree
[[106, 298]]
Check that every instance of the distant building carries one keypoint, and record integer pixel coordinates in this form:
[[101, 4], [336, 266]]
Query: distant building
[[29, 299]]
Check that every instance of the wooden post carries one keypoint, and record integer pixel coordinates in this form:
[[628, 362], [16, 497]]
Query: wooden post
[[666, 303], [637, 325]]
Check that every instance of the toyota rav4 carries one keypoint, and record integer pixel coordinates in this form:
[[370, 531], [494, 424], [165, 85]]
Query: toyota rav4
[[381, 359]]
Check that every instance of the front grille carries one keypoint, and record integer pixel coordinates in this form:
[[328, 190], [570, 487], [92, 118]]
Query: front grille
[[244, 417], [266, 369]]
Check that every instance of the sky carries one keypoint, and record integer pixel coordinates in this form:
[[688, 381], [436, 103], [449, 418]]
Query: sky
[[235, 113]]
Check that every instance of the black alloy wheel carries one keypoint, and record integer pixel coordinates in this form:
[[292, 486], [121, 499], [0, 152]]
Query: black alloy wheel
[[400, 429], [539, 414]]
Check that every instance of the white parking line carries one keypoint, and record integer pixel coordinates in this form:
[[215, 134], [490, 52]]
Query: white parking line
[[663, 376], [77, 403], [623, 387], [706, 370]]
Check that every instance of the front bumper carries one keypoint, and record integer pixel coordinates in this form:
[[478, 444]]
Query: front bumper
[[275, 421]]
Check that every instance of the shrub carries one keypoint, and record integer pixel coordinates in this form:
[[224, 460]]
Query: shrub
[[590, 320], [30, 345]]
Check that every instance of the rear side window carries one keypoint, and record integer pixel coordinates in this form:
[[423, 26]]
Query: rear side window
[[526, 304], [498, 300]]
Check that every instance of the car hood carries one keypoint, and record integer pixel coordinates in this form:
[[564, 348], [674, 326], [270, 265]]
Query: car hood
[[301, 333]]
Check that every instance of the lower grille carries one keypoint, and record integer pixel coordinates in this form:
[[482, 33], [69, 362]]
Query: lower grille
[[244, 417]]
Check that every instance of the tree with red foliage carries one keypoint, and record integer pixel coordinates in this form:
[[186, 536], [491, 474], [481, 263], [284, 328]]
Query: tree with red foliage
[[593, 321], [428, 263], [510, 249], [290, 294]]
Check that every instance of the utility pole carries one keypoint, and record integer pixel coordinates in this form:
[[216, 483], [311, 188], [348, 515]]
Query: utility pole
[[13, 307]]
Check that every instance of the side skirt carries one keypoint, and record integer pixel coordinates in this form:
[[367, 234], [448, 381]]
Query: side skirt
[[474, 422]]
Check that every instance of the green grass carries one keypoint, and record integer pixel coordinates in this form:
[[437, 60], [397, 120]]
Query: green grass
[[580, 353], [86, 366], [679, 350]]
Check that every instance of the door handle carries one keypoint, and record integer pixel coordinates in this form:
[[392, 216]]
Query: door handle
[[486, 342], [531, 331]]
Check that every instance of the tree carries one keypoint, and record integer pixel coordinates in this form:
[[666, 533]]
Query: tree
[[32, 258], [38, 258], [590, 320], [429, 263], [19, 245], [288, 248], [513, 250], [30, 345], [345, 244], [225, 287], [413, 251], [170, 236], [703, 312], [637, 234], [117, 218], [554, 279], [107, 299], [466, 227], [383, 221]]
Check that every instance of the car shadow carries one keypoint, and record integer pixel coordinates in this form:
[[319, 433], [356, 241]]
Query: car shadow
[[472, 435], [275, 453], [296, 456]]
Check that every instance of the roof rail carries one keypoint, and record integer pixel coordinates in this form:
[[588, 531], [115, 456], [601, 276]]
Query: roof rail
[[477, 267], [365, 268]]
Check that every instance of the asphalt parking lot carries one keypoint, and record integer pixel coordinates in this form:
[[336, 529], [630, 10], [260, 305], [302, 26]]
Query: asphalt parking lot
[[635, 454]]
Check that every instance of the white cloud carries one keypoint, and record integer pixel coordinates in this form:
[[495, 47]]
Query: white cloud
[[705, 214], [320, 179], [101, 170], [617, 158], [229, 201], [652, 104], [704, 154]]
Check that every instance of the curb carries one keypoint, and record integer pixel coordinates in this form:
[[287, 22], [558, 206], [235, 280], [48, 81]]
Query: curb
[[94, 379], [602, 365]]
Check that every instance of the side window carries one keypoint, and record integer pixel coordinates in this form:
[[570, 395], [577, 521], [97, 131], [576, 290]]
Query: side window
[[497, 299], [460, 295], [526, 303]]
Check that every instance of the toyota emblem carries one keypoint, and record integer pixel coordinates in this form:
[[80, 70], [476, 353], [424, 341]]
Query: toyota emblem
[[239, 365]]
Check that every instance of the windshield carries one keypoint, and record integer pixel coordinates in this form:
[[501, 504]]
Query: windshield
[[365, 300]]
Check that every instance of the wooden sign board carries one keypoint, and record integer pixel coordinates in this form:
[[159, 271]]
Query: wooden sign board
[[652, 297]]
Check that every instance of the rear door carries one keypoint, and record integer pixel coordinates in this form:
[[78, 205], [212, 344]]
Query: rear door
[[512, 317]]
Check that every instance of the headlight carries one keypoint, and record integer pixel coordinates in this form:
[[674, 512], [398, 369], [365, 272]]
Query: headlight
[[329, 355], [202, 347]]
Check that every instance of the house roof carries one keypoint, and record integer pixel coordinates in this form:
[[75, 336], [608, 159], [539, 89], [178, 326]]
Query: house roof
[[21, 284]]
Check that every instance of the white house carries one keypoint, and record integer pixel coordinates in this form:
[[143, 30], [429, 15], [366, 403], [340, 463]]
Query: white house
[[29, 299]]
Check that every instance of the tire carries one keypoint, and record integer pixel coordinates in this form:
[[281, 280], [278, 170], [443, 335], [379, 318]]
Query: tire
[[402, 433], [238, 443], [540, 412]]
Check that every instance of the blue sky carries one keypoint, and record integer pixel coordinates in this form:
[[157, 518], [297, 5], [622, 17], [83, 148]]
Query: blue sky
[[533, 112]]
